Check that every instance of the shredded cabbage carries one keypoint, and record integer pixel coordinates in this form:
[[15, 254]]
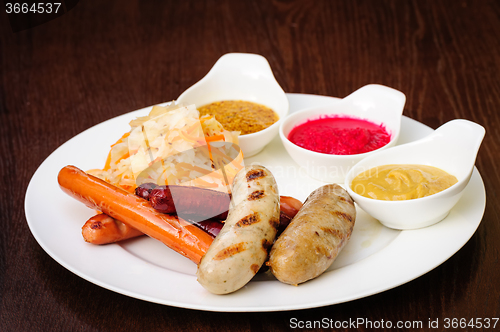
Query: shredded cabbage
[[172, 145]]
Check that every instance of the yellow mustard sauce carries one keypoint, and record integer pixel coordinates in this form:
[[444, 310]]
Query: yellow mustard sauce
[[401, 182], [243, 116]]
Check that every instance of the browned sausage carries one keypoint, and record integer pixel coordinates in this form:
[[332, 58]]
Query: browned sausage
[[197, 203], [315, 236], [241, 248]]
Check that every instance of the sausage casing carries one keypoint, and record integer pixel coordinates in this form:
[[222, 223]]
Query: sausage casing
[[241, 247], [190, 202], [315, 236]]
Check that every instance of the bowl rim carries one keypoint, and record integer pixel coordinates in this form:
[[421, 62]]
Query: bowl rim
[[271, 127], [284, 138], [357, 197]]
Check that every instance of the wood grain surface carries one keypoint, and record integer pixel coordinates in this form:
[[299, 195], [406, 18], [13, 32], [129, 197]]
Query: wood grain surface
[[105, 58]]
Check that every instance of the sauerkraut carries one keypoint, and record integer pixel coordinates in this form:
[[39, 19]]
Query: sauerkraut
[[172, 145]]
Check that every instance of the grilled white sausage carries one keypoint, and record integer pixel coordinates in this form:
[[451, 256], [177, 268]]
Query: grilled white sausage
[[315, 236], [241, 247]]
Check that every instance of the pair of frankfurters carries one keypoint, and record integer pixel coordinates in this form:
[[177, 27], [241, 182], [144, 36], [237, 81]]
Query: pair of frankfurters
[[190, 203], [178, 234]]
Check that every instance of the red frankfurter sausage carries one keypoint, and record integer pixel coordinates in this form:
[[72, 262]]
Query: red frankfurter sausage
[[102, 229], [176, 233], [200, 203]]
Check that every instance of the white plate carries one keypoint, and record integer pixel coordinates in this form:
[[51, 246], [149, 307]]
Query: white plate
[[375, 259]]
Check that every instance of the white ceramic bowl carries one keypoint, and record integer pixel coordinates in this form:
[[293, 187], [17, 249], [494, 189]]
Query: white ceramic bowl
[[241, 76], [452, 147], [376, 103]]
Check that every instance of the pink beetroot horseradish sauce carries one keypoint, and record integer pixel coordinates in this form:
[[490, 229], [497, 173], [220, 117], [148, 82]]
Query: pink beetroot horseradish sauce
[[339, 135]]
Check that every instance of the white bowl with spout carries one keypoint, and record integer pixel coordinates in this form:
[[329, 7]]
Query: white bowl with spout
[[241, 76], [378, 104], [453, 147]]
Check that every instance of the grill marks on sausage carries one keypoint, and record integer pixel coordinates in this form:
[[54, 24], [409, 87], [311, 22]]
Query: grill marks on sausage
[[343, 199], [96, 225], [230, 251], [248, 220], [323, 251], [266, 245], [332, 231], [255, 174], [343, 215], [275, 222], [257, 194]]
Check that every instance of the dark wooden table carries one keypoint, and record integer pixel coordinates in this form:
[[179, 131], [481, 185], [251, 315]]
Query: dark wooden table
[[106, 58]]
